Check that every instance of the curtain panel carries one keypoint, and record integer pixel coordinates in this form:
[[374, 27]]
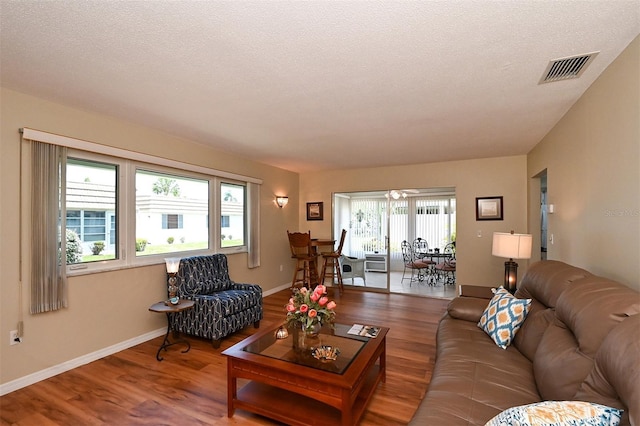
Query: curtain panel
[[253, 258], [48, 264]]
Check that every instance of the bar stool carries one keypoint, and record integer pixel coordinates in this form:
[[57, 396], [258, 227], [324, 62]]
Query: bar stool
[[331, 262], [305, 257]]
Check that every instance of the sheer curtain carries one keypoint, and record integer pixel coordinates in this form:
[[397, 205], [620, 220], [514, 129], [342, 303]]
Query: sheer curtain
[[48, 264]]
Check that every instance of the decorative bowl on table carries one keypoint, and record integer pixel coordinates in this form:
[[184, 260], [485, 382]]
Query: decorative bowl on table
[[325, 353]]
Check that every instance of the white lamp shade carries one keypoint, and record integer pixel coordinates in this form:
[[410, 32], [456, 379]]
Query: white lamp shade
[[282, 201], [512, 246], [172, 264]]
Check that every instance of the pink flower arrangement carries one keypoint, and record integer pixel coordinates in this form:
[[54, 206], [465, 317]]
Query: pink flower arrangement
[[308, 307]]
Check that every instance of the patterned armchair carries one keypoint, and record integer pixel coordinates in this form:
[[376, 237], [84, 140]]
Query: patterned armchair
[[221, 306]]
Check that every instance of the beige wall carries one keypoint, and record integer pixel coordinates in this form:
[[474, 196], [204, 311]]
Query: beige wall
[[593, 170], [504, 176], [111, 307]]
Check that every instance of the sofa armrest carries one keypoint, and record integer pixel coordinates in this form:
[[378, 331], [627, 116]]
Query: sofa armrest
[[476, 291], [467, 308]]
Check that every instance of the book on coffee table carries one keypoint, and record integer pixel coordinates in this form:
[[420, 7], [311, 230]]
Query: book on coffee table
[[364, 330]]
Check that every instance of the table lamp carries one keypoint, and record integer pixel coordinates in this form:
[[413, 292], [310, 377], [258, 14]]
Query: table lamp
[[173, 263], [511, 246]]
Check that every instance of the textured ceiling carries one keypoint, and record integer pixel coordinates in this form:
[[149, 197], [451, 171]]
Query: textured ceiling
[[318, 84]]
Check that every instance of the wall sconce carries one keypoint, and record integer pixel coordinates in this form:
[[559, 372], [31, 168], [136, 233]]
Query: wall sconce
[[173, 263], [511, 246], [282, 201]]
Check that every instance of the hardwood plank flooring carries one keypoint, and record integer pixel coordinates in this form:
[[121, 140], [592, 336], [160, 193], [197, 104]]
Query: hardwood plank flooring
[[132, 388]]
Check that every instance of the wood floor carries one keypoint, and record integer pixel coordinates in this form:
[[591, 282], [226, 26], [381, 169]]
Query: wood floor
[[132, 388]]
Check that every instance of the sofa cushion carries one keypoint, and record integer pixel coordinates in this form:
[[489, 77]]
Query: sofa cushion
[[585, 313], [473, 380], [203, 275], [503, 317], [615, 377], [558, 413], [543, 283], [230, 302]]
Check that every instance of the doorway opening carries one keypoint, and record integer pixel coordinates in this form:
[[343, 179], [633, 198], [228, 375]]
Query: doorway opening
[[544, 218], [377, 223]]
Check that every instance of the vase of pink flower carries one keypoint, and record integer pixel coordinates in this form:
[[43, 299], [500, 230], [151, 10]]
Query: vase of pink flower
[[309, 310]]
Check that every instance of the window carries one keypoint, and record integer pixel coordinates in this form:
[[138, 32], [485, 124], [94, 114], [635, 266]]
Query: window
[[169, 212], [136, 209], [171, 221], [91, 188], [233, 215]]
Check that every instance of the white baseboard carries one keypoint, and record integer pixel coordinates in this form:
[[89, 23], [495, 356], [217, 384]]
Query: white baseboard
[[277, 289], [25, 381]]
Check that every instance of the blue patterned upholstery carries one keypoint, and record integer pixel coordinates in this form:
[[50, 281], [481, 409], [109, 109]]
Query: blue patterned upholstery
[[221, 306]]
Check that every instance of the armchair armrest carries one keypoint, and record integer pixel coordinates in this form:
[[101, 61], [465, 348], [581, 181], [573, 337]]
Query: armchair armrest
[[247, 287]]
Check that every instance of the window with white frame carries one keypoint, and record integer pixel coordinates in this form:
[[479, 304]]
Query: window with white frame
[[233, 215], [118, 208], [91, 210], [170, 212]]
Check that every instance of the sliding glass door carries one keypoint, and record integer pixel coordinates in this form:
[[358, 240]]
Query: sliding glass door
[[377, 222]]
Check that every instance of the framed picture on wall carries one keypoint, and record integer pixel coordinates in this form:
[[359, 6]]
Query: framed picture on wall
[[489, 208], [315, 211]]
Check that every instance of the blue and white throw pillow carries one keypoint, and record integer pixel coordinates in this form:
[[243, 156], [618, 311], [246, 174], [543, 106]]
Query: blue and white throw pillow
[[558, 413], [503, 317]]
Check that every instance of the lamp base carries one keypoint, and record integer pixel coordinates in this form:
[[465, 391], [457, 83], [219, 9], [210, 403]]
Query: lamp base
[[510, 275], [172, 289]]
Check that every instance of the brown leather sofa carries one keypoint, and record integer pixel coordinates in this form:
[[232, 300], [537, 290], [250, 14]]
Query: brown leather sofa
[[580, 341]]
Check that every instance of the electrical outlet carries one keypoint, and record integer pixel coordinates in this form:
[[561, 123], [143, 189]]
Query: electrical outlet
[[13, 337]]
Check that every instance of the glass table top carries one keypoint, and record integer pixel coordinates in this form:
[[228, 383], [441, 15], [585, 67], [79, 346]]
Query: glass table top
[[290, 349]]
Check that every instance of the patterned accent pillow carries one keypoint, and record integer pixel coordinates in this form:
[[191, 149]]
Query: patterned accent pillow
[[559, 413], [503, 317]]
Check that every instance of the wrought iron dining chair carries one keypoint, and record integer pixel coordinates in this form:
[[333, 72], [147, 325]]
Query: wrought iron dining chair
[[447, 268], [412, 264], [421, 253]]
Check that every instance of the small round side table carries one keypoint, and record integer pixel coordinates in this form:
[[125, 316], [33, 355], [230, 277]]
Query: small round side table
[[171, 310]]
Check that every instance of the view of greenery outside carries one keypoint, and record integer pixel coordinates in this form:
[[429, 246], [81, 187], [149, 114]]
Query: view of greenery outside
[[163, 248], [172, 213]]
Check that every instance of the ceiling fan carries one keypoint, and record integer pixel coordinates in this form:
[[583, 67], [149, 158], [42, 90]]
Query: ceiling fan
[[397, 193]]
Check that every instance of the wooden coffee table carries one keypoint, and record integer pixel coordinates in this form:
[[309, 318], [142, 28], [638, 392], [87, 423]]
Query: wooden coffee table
[[288, 385]]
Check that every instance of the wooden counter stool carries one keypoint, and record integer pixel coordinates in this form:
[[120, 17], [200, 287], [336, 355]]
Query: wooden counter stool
[[331, 266], [305, 256]]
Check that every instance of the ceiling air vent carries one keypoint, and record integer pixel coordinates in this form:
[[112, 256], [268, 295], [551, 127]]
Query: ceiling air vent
[[566, 68]]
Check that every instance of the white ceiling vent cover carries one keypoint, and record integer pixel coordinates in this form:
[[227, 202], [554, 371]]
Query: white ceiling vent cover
[[566, 68]]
